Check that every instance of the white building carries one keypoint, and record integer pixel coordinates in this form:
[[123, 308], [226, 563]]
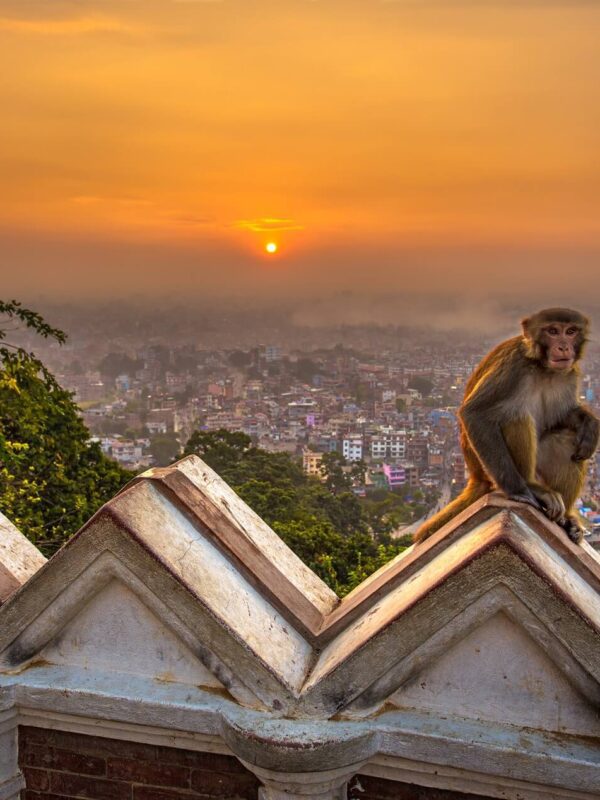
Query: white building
[[388, 445], [352, 447]]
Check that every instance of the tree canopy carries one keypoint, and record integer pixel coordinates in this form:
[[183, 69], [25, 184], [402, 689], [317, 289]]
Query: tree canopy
[[52, 479], [421, 384]]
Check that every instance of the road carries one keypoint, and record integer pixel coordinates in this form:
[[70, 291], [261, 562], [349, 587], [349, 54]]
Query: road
[[414, 526]]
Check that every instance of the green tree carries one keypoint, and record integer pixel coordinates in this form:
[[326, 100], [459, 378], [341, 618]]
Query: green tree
[[240, 358], [164, 447], [52, 479], [339, 475], [332, 469], [115, 364], [422, 385], [305, 369]]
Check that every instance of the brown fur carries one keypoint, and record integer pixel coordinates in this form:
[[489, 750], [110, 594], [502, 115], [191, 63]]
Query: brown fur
[[523, 430]]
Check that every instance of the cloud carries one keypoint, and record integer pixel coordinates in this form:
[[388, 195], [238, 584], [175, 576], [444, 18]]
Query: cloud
[[91, 199], [190, 219], [268, 225], [65, 27]]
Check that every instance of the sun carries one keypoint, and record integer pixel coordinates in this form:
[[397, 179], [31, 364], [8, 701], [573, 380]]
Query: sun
[[271, 247]]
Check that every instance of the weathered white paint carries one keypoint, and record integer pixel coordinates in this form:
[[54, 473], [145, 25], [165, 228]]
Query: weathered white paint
[[19, 558], [392, 605], [115, 631], [557, 569], [11, 779], [193, 557], [406, 670], [499, 673], [327, 785], [450, 778], [46, 626], [258, 532]]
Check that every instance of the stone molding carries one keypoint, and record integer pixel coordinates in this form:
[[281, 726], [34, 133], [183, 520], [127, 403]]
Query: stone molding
[[11, 778]]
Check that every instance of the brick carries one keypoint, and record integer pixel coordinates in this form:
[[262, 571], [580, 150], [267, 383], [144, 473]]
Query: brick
[[64, 760], [225, 784], [63, 783], [151, 773], [28, 734], [117, 747], [84, 744], [36, 779], [151, 793], [28, 795], [215, 762]]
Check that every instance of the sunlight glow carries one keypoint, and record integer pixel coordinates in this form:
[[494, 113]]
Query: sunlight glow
[[271, 247]]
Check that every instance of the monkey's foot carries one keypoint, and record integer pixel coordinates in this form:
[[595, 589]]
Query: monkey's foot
[[528, 498], [573, 529]]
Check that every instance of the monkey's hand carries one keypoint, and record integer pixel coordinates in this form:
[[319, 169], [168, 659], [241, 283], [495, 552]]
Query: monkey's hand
[[552, 503], [586, 439]]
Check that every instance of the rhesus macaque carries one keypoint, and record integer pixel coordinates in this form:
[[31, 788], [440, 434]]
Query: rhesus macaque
[[523, 429]]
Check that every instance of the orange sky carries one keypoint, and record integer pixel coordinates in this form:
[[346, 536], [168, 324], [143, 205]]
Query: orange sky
[[157, 139]]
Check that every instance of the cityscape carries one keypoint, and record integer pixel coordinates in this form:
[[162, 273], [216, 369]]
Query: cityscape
[[381, 397]]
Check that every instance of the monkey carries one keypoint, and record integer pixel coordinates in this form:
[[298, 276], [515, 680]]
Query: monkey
[[523, 428]]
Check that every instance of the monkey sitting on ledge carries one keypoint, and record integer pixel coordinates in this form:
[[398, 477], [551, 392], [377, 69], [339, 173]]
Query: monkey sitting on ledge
[[523, 429]]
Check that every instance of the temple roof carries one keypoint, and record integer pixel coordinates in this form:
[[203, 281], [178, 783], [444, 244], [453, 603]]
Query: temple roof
[[177, 579]]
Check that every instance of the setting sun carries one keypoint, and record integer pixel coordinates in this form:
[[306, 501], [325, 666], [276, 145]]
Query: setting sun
[[271, 247]]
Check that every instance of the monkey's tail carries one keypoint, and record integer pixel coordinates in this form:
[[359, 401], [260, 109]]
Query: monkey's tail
[[472, 492]]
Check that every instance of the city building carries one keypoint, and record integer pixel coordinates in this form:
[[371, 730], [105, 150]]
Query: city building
[[311, 462], [352, 447]]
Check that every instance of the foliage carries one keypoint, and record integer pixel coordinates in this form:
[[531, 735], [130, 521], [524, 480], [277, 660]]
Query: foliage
[[338, 476], [328, 528], [422, 385], [115, 364], [305, 369], [164, 447], [51, 478], [240, 358]]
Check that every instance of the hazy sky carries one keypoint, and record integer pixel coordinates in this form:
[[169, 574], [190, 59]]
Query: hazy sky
[[158, 144]]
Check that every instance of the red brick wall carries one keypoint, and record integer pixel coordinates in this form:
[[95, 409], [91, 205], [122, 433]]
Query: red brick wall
[[60, 765]]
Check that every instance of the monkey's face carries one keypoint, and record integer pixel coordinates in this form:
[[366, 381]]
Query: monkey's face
[[560, 342]]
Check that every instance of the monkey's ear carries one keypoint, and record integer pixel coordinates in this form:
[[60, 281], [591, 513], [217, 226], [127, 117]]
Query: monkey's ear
[[526, 325]]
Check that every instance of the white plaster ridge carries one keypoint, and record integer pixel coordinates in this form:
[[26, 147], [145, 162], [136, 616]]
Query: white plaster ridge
[[19, 558]]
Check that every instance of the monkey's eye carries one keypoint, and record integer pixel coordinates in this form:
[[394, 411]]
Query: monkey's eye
[[552, 331], [571, 331]]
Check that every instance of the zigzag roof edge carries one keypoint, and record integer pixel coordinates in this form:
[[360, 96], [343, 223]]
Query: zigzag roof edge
[[581, 557], [221, 614], [542, 569], [19, 558], [292, 586]]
